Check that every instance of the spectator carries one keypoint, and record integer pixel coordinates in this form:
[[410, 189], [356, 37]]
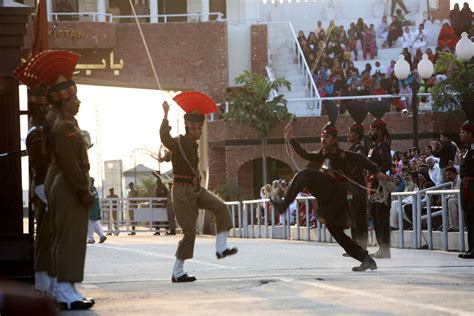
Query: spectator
[[466, 18], [360, 28], [455, 18], [312, 43], [451, 175], [302, 37], [94, 218], [445, 149], [430, 54], [394, 31], [407, 38], [401, 4], [416, 59], [390, 69], [401, 18], [142, 9], [395, 207], [406, 92], [434, 171], [352, 40], [378, 69], [447, 38], [319, 31], [369, 43], [420, 38], [382, 30]]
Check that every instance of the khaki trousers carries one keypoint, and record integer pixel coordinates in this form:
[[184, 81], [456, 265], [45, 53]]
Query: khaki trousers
[[70, 227], [48, 183], [42, 243], [186, 203]]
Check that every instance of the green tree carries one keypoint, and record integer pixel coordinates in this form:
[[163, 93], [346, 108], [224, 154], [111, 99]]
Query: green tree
[[458, 86], [147, 187], [257, 105]]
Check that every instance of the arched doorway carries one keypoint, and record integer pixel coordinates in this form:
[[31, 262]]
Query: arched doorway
[[250, 176]]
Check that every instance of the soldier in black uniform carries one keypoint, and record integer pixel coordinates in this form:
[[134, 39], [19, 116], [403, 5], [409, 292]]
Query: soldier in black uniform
[[326, 180], [466, 136], [187, 194], [380, 154], [359, 229], [39, 159]]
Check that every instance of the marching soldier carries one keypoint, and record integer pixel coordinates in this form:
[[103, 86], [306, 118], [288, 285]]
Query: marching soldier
[[466, 136], [329, 184], [187, 194]]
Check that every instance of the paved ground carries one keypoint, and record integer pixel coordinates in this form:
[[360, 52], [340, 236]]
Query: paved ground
[[131, 275]]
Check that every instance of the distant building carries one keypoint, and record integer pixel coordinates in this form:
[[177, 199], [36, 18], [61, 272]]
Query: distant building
[[137, 174], [113, 177]]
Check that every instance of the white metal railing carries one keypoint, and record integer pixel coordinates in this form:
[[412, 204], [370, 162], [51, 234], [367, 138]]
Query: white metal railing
[[416, 212], [143, 213], [271, 77], [444, 197], [108, 17], [54, 16]]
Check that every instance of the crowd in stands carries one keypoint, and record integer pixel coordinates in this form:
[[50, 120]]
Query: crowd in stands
[[330, 53]]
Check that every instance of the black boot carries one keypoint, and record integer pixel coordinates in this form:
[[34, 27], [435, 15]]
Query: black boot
[[367, 264], [183, 278], [466, 255]]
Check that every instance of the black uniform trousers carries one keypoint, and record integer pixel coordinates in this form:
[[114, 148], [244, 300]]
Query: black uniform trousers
[[359, 229], [467, 198], [381, 215], [333, 206]]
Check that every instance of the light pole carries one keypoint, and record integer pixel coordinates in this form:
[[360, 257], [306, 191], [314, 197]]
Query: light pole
[[425, 71], [464, 49]]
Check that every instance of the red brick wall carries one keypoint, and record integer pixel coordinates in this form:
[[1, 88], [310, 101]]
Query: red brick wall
[[186, 55], [238, 155], [259, 48]]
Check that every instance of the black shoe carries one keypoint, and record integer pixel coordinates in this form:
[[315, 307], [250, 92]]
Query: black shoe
[[77, 305], [172, 232], [102, 239], [183, 278], [382, 254], [156, 234], [367, 264], [227, 252], [109, 234], [345, 254], [466, 255], [452, 229], [91, 241], [278, 204], [132, 234]]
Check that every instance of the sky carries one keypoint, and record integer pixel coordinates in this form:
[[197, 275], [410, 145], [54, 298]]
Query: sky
[[122, 123]]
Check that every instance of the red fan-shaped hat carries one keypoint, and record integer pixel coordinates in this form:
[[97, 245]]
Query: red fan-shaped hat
[[195, 102], [48, 66], [25, 77]]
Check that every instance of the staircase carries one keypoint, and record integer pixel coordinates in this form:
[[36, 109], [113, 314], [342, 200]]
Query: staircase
[[285, 61]]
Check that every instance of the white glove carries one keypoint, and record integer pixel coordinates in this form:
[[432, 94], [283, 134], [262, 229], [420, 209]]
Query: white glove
[[39, 190]]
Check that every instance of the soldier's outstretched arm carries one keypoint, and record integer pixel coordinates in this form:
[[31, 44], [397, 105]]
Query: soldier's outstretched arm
[[315, 157], [169, 142]]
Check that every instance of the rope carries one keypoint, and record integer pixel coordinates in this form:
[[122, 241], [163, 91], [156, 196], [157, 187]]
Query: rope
[[289, 149], [155, 74]]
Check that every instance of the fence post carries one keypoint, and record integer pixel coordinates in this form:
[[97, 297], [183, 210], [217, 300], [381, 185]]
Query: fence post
[[414, 217], [232, 210], [273, 222], [420, 228], [308, 228], [265, 218], [445, 222], [259, 219], [428, 222], [246, 220], [400, 222]]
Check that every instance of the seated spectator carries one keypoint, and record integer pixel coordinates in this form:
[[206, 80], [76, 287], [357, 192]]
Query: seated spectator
[[447, 38], [313, 43], [407, 38], [346, 57], [382, 30], [466, 18], [301, 36], [420, 38], [395, 207], [431, 57], [451, 175], [394, 31], [401, 18], [417, 58], [378, 69], [354, 85], [351, 69], [434, 171], [406, 92], [378, 90], [390, 69]]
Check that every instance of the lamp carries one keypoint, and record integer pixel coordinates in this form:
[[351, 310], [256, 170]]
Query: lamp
[[464, 48], [425, 70]]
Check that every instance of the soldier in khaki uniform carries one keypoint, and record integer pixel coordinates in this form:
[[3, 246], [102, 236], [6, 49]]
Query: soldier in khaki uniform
[[187, 194], [70, 198], [38, 106]]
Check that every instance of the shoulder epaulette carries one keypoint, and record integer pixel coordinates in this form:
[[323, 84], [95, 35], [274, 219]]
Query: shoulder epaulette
[[32, 129]]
